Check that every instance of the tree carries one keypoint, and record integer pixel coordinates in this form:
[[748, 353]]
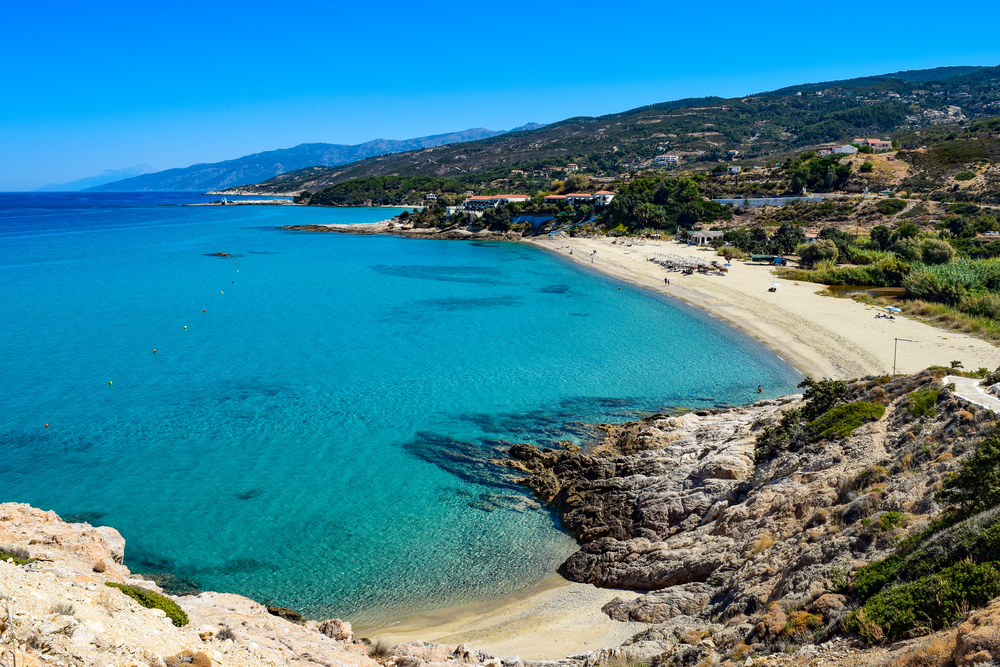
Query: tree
[[822, 250], [881, 237], [821, 395], [909, 248], [497, 219], [787, 238], [867, 168], [937, 252], [575, 183]]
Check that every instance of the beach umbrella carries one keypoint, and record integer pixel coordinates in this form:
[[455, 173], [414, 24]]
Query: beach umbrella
[[775, 285], [893, 309]]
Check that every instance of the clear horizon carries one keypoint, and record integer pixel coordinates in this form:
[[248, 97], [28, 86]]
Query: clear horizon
[[91, 90]]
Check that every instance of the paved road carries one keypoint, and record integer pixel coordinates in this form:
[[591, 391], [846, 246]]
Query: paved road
[[969, 389]]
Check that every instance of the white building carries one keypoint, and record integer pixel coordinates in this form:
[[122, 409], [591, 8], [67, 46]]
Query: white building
[[733, 170], [666, 159], [846, 149], [484, 202]]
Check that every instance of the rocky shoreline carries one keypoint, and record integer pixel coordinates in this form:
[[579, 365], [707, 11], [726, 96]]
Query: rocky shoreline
[[738, 559]]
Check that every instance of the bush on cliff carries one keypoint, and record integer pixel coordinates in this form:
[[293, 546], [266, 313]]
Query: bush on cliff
[[842, 420], [929, 603], [19, 555], [151, 600], [977, 486]]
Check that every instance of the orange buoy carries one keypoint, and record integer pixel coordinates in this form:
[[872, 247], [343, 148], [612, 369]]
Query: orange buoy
[[203, 310], [46, 426], [154, 350]]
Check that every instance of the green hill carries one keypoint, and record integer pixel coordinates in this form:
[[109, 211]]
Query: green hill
[[762, 128]]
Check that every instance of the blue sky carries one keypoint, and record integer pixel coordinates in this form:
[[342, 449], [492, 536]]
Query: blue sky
[[94, 86]]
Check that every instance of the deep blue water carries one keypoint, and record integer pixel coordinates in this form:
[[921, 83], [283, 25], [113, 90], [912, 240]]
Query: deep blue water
[[319, 436]]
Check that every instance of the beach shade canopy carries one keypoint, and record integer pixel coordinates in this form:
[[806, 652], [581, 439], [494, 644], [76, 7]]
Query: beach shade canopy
[[893, 309], [775, 285]]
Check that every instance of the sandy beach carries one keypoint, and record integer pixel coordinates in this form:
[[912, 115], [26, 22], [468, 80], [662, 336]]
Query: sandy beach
[[554, 619], [820, 335]]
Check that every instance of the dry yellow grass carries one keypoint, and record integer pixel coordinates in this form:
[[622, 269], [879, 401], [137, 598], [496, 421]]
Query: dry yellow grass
[[937, 650], [764, 542]]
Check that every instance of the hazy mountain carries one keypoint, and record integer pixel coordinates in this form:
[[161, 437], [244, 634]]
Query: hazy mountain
[[262, 166], [106, 176]]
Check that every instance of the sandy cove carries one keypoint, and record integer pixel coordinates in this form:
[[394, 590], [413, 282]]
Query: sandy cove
[[549, 621], [822, 336]]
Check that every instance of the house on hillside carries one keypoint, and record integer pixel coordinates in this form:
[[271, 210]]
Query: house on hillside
[[572, 167], [877, 145], [666, 159], [733, 170], [555, 199], [846, 149], [430, 196]]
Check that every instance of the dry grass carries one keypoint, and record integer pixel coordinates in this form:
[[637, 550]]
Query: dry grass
[[869, 628], [622, 659], [935, 651], [763, 543], [953, 319]]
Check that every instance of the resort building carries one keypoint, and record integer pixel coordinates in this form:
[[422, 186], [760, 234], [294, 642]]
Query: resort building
[[701, 237], [483, 202], [666, 159], [599, 198]]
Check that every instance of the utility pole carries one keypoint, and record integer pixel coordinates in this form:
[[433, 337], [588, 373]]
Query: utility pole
[[905, 340]]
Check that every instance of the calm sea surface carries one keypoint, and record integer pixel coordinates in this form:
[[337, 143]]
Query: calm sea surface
[[315, 427]]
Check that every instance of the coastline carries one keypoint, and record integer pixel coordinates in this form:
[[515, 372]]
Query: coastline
[[820, 335]]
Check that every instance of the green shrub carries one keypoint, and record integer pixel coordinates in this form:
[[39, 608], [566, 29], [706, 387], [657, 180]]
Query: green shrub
[[931, 602], [19, 555], [774, 439], [922, 401], [936, 251], [890, 206], [820, 395], [842, 420], [965, 175], [151, 600], [977, 486], [890, 520]]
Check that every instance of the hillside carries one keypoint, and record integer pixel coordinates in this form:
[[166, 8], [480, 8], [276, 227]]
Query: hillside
[[260, 166], [701, 132]]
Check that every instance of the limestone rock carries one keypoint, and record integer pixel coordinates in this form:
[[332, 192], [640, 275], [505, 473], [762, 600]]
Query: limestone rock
[[337, 629]]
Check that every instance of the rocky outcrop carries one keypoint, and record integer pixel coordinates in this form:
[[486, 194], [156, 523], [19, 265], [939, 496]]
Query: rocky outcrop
[[60, 611], [674, 506]]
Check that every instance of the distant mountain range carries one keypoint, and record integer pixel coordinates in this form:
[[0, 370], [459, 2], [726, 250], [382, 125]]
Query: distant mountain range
[[106, 176], [262, 166]]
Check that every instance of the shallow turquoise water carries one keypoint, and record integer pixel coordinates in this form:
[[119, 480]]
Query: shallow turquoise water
[[317, 438]]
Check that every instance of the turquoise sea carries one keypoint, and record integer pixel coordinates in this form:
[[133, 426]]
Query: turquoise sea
[[315, 426]]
